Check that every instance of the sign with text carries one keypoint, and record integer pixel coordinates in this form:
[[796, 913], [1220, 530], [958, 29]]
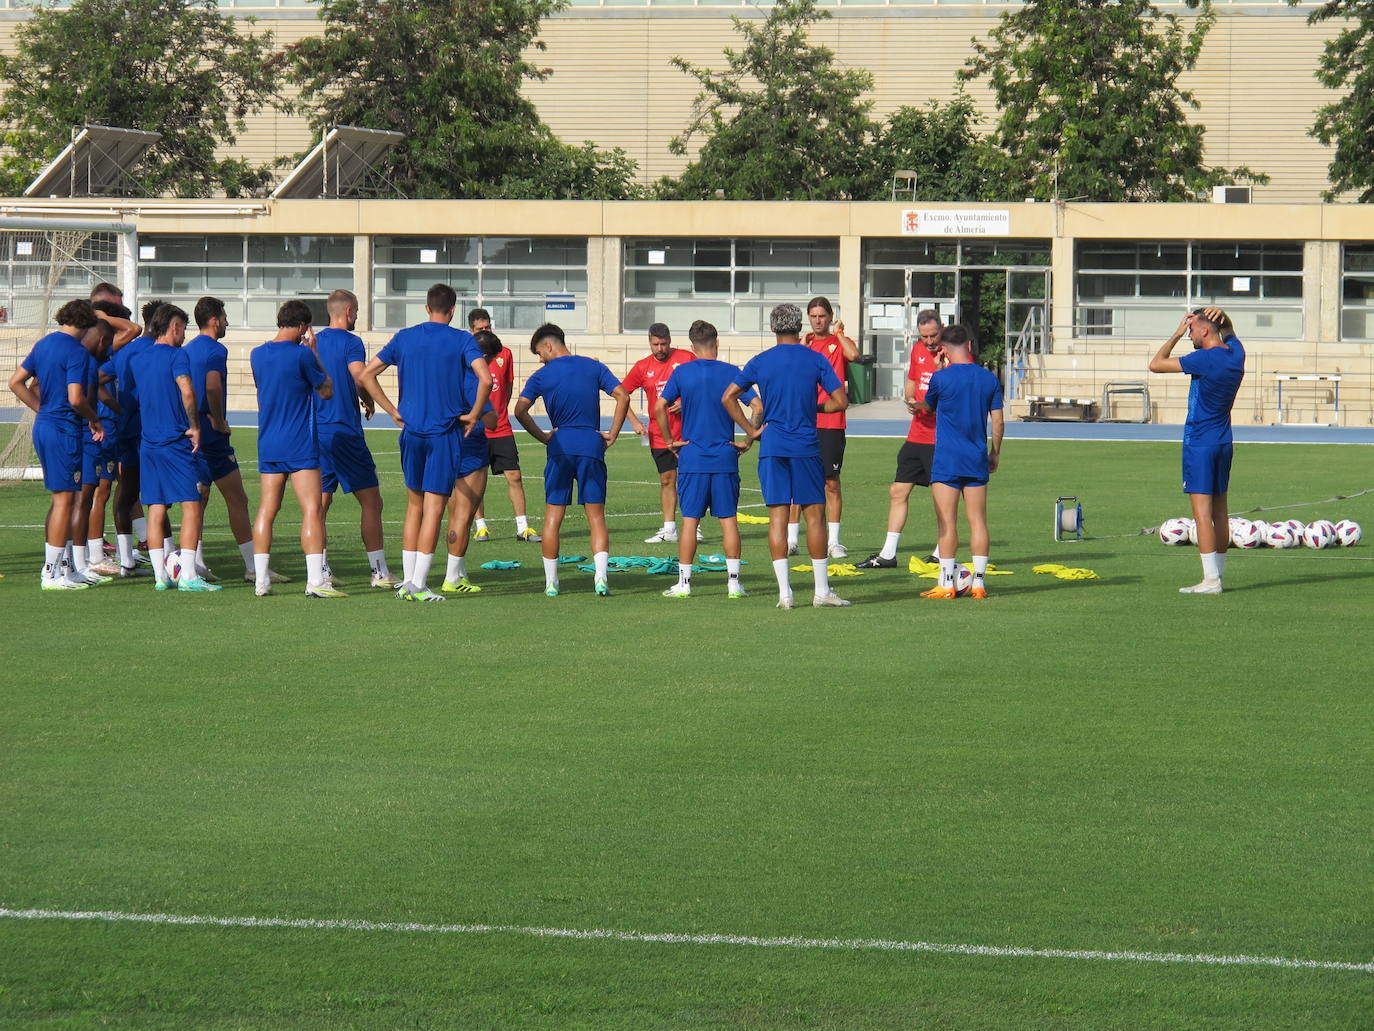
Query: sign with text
[[956, 222]]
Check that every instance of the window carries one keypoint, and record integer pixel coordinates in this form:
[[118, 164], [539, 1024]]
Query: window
[[1141, 289], [39, 273], [1357, 291], [516, 278], [732, 284], [252, 275]]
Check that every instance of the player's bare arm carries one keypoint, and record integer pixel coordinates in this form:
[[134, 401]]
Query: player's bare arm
[[109, 400], [214, 399], [995, 448], [523, 417], [847, 345], [622, 409], [755, 419], [836, 402], [125, 330], [355, 369], [19, 386], [730, 399], [909, 395], [664, 427], [188, 401], [373, 369]]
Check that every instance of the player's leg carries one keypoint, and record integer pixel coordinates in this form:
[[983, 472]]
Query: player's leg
[[515, 490], [231, 489], [725, 505], [371, 505], [305, 484], [56, 528], [192, 528], [431, 521], [945, 497], [95, 529], [591, 492], [271, 487], [76, 531], [809, 492], [776, 483], [976, 510], [693, 498], [832, 443], [125, 508], [665, 459], [553, 527], [158, 528], [462, 506], [793, 529], [1206, 475], [410, 533]]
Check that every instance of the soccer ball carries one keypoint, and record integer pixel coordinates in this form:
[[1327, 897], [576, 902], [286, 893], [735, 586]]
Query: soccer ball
[[1262, 529], [1243, 533], [1319, 534], [1281, 535], [171, 565], [1174, 531], [1348, 533], [1298, 527], [963, 580]]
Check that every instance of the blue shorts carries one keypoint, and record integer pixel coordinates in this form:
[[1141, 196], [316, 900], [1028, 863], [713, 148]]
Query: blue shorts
[[475, 454], [560, 473], [792, 481], [59, 450], [429, 464], [287, 468], [345, 460], [216, 457], [1206, 470], [697, 492], [960, 482], [97, 461], [168, 473]]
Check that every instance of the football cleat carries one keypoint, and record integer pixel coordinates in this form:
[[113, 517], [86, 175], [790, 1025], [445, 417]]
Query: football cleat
[[262, 590], [324, 590], [1206, 587], [939, 593], [93, 578], [736, 590], [385, 581], [602, 588], [978, 593], [197, 583], [460, 586], [164, 585], [133, 572], [876, 561], [837, 550], [409, 592], [141, 554], [529, 536], [104, 568], [791, 550], [61, 583], [483, 534], [786, 603], [678, 591], [829, 601], [551, 590], [662, 537]]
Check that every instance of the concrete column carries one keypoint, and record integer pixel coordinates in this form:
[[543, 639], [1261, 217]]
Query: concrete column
[[1061, 293], [362, 280], [1321, 290], [851, 287]]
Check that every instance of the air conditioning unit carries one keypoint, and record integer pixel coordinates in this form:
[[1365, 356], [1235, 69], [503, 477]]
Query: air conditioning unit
[[1232, 194]]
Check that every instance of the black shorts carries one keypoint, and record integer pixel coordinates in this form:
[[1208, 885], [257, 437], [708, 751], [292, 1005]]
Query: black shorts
[[913, 463], [665, 458], [832, 452], [504, 456]]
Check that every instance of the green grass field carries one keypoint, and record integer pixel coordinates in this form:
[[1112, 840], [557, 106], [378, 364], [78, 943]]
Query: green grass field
[[1077, 765]]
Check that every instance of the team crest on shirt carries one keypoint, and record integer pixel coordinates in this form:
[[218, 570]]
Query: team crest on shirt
[[832, 347], [500, 363], [76, 477]]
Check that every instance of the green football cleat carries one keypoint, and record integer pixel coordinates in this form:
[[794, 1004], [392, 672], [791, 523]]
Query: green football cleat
[[197, 583], [412, 593], [460, 586], [551, 591], [324, 590], [736, 590], [678, 591], [603, 589]]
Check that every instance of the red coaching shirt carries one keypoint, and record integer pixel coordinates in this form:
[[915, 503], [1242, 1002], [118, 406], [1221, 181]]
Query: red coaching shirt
[[832, 351], [502, 383], [923, 366], [649, 374]]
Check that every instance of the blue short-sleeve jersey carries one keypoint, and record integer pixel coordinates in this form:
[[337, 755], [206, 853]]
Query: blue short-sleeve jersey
[[962, 396], [1217, 373], [58, 361], [207, 355], [338, 349], [130, 424], [471, 384], [788, 377], [286, 375], [155, 369], [429, 360], [706, 424], [571, 386], [106, 413]]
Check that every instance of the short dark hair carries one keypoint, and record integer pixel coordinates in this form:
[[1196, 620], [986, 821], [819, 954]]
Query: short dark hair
[[661, 330], [820, 302], [105, 288], [544, 332], [105, 329], [441, 298], [78, 314], [956, 336], [294, 313], [112, 308], [488, 342], [163, 318], [149, 310], [926, 316], [208, 308], [701, 332], [477, 313]]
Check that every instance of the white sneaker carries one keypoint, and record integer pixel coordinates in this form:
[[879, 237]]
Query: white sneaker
[[262, 590], [838, 550], [678, 591], [829, 601], [786, 603], [736, 590], [1206, 587], [385, 581], [662, 537], [61, 583]]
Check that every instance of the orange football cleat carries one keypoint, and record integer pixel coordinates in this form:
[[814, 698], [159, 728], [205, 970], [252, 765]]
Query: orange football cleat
[[980, 593], [939, 592]]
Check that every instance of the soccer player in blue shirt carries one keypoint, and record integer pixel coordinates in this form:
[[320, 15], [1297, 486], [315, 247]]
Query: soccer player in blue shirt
[[115, 316], [97, 467], [58, 364], [345, 459], [1217, 366], [429, 359], [474, 456], [131, 527], [288, 377], [790, 471], [708, 454], [218, 463], [963, 395], [168, 467], [571, 386]]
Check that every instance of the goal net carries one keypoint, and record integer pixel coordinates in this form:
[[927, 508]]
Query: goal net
[[43, 264]]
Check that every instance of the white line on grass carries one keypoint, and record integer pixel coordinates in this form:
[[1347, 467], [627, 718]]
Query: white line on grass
[[605, 934]]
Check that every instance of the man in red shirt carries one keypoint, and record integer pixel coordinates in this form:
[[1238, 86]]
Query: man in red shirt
[[917, 453], [839, 350], [505, 458], [650, 374]]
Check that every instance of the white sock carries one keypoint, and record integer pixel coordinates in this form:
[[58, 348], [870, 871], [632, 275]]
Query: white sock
[[670, 526], [158, 557], [481, 524], [141, 529], [328, 573], [551, 572], [890, 545], [67, 555], [946, 572], [408, 565], [314, 569], [260, 573], [169, 545], [420, 578], [1211, 568], [935, 552], [820, 569], [732, 568], [95, 550], [522, 523], [980, 568], [78, 557], [793, 532], [1221, 565], [684, 574], [52, 561], [780, 571], [124, 544], [246, 550], [188, 569], [832, 534], [602, 561], [200, 555], [457, 569], [376, 560]]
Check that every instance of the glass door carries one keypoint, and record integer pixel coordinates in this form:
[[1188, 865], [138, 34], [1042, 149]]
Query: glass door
[[893, 296]]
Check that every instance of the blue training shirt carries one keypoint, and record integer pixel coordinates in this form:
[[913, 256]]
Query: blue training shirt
[[207, 355], [571, 386], [106, 413], [286, 375], [338, 348], [429, 360], [58, 360], [478, 436], [706, 424], [154, 370], [962, 396], [788, 376], [1216, 373], [129, 423]]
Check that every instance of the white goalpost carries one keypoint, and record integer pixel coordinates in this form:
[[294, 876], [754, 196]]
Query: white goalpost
[[43, 264]]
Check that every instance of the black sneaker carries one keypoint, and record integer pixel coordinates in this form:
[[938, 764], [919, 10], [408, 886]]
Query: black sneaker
[[876, 561]]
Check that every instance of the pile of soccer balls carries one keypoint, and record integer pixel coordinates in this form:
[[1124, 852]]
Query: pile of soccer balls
[[1258, 534]]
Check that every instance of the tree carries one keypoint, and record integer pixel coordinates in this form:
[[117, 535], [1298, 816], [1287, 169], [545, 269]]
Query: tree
[[1348, 124], [941, 145], [1090, 103], [447, 74], [177, 67], [782, 122]]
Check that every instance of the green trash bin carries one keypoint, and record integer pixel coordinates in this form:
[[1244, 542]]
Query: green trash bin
[[861, 373]]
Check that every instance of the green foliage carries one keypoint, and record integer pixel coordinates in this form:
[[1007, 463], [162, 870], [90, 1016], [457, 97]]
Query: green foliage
[[1090, 103], [1348, 123], [782, 122], [941, 145], [447, 74], [177, 67]]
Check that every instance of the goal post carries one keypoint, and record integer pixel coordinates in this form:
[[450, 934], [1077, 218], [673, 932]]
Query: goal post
[[44, 263]]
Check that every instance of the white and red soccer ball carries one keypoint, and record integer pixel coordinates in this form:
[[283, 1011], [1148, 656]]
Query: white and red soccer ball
[[1348, 533], [171, 565], [1281, 535], [1319, 534], [1175, 531], [1244, 533], [963, 580]]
